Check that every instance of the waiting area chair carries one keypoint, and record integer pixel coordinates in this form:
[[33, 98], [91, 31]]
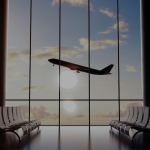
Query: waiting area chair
[[137, 120], [12, 120]]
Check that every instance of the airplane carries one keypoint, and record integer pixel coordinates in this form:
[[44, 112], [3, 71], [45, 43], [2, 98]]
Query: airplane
[[78, 68]]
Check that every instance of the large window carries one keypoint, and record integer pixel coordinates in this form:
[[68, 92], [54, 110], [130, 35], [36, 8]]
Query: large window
[[82, 33]]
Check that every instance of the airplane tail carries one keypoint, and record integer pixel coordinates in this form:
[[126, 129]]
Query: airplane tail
[[107, 69]]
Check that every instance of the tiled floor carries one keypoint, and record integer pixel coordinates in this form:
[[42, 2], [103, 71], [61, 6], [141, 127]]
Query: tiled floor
[[81, 138]]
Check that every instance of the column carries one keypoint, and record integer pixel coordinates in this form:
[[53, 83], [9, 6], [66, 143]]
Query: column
[[3, 49], [145, 51]]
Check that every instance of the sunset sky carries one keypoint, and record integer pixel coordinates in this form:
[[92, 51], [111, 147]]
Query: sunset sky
[[74, 48]]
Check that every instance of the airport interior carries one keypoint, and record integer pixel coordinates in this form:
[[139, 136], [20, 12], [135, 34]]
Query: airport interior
[[74, 75]]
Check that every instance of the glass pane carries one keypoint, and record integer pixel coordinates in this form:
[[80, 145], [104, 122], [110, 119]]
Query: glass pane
[[24, 104], [46, 111], [18, 50], [103, 49], [103, 111], [74, 34], [74, 113], [123, 107], [45, 41], [130, 52], [103, 52]]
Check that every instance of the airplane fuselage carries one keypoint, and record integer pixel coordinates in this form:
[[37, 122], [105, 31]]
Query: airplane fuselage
[[78, 68]]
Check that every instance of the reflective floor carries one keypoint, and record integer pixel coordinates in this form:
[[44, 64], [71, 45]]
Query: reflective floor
[[79, 138]]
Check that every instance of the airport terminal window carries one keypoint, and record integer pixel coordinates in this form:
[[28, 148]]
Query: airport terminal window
[[18, 50], [45, 43], [73, 30], [71, 36], [130, 51], [103, 52]]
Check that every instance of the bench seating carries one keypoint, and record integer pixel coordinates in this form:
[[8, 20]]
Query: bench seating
[[138, 121], [38, 122], [12, 120], [112, 122]]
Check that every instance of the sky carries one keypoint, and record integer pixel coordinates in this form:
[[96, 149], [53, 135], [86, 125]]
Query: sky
[[74, 48]]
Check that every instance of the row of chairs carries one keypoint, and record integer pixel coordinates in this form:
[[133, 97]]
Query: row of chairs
[[12, 120], [136, 120]]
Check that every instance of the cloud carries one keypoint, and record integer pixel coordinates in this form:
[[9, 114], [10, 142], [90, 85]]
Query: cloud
[[13, 73], [135, 104], [98, 44], [122, 26], [108, 114], [40, 56], [76, 3], [80, 56], [107, 12], [130, 69], [37, 87], [80, 116], [105, 32], [39, 113], [116, 113], [124, 36], [14, 55]]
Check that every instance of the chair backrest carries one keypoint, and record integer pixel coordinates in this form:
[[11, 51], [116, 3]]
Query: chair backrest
[[146, 117], [22, 115], [14, 109], [140, 116], [5, 116], [148, 124], [19, 114], [135, 115], [131, 114], [2, 125], [10, 115], [127, 113]]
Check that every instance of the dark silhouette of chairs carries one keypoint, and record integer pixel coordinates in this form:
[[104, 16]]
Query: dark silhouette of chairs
[[17, 115], [12, 120], [138, 121], [20, 110], [133, 120], [119, 123], [143, 126], [20, 131], [112, 122]]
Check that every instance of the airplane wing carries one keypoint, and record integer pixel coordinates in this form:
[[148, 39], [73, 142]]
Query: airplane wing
[[79, 68]]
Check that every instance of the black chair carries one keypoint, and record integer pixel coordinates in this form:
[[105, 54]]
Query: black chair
[[12, 121], [5, 126], [137, 123], [20, 109], [22, 121], [15, 116], [112, 122], [117, 125], [144, 125], [135, 116]]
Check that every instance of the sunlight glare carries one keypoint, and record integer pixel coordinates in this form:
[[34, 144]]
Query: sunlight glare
[[69, 106], [68, 79]]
